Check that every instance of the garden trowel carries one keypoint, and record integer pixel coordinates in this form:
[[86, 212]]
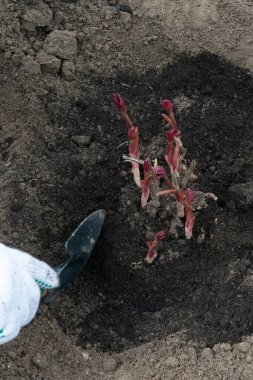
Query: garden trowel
[[79, 247]]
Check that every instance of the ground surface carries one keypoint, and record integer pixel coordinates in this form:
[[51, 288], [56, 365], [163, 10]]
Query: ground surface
[[189, 315]]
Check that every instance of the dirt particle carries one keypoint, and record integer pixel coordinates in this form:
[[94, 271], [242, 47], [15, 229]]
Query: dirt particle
[[69, 26], [90, 67], [125, 8], [48, 63], [98, 46], [226, 347], [192, 353], [39, 16], [126, 19], [109, 13], [85, 355], [61, 43], [68, 70], [58, 17], [40, 360], [82, 140], [152, 208], [207, 353], [243, 346], [242, 194], [37, 45], [30, 65], [110, 365], [172, 361], [183, 357], [217, 348], [12, 355]]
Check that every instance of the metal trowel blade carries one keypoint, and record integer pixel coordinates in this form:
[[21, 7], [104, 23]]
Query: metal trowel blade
[[79, 247], [83, 239]]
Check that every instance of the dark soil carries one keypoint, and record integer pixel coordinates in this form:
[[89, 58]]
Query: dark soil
[[59, 161], [51, 180], [120, 301]]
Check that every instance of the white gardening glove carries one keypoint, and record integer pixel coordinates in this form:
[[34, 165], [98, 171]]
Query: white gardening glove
[[21, 278]]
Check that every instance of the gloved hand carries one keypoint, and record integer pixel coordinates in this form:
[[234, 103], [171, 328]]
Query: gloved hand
[[21, 279]]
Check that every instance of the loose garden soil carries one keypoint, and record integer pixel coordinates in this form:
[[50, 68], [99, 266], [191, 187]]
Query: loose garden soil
[[189, 314]]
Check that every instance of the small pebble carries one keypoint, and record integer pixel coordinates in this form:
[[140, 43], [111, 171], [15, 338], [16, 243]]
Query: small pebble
[[12, 355], [125, 8], [81, 140], [250, 339], [226, 346], [22, 186], [172, 361], [184, 357], [207, 353], [85, 355], [243, 346], [40, 360], [110, 365], [216, 347]]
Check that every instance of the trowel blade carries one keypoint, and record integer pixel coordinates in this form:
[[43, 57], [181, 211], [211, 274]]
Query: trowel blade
[[79, 247], [83, 239]]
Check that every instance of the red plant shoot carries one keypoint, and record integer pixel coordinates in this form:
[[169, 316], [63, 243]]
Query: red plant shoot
[[145, 183], [168, 107], [168, 120], [172, 159], [119, 101], [159, 172], [133, 135], [172, 154], [120, 104], [153, 246]]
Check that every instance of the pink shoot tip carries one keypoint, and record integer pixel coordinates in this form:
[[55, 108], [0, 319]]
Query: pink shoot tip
[[160, 235], [167, 105], [159, 172], [119, 101], [152, 252], [153, 246]]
